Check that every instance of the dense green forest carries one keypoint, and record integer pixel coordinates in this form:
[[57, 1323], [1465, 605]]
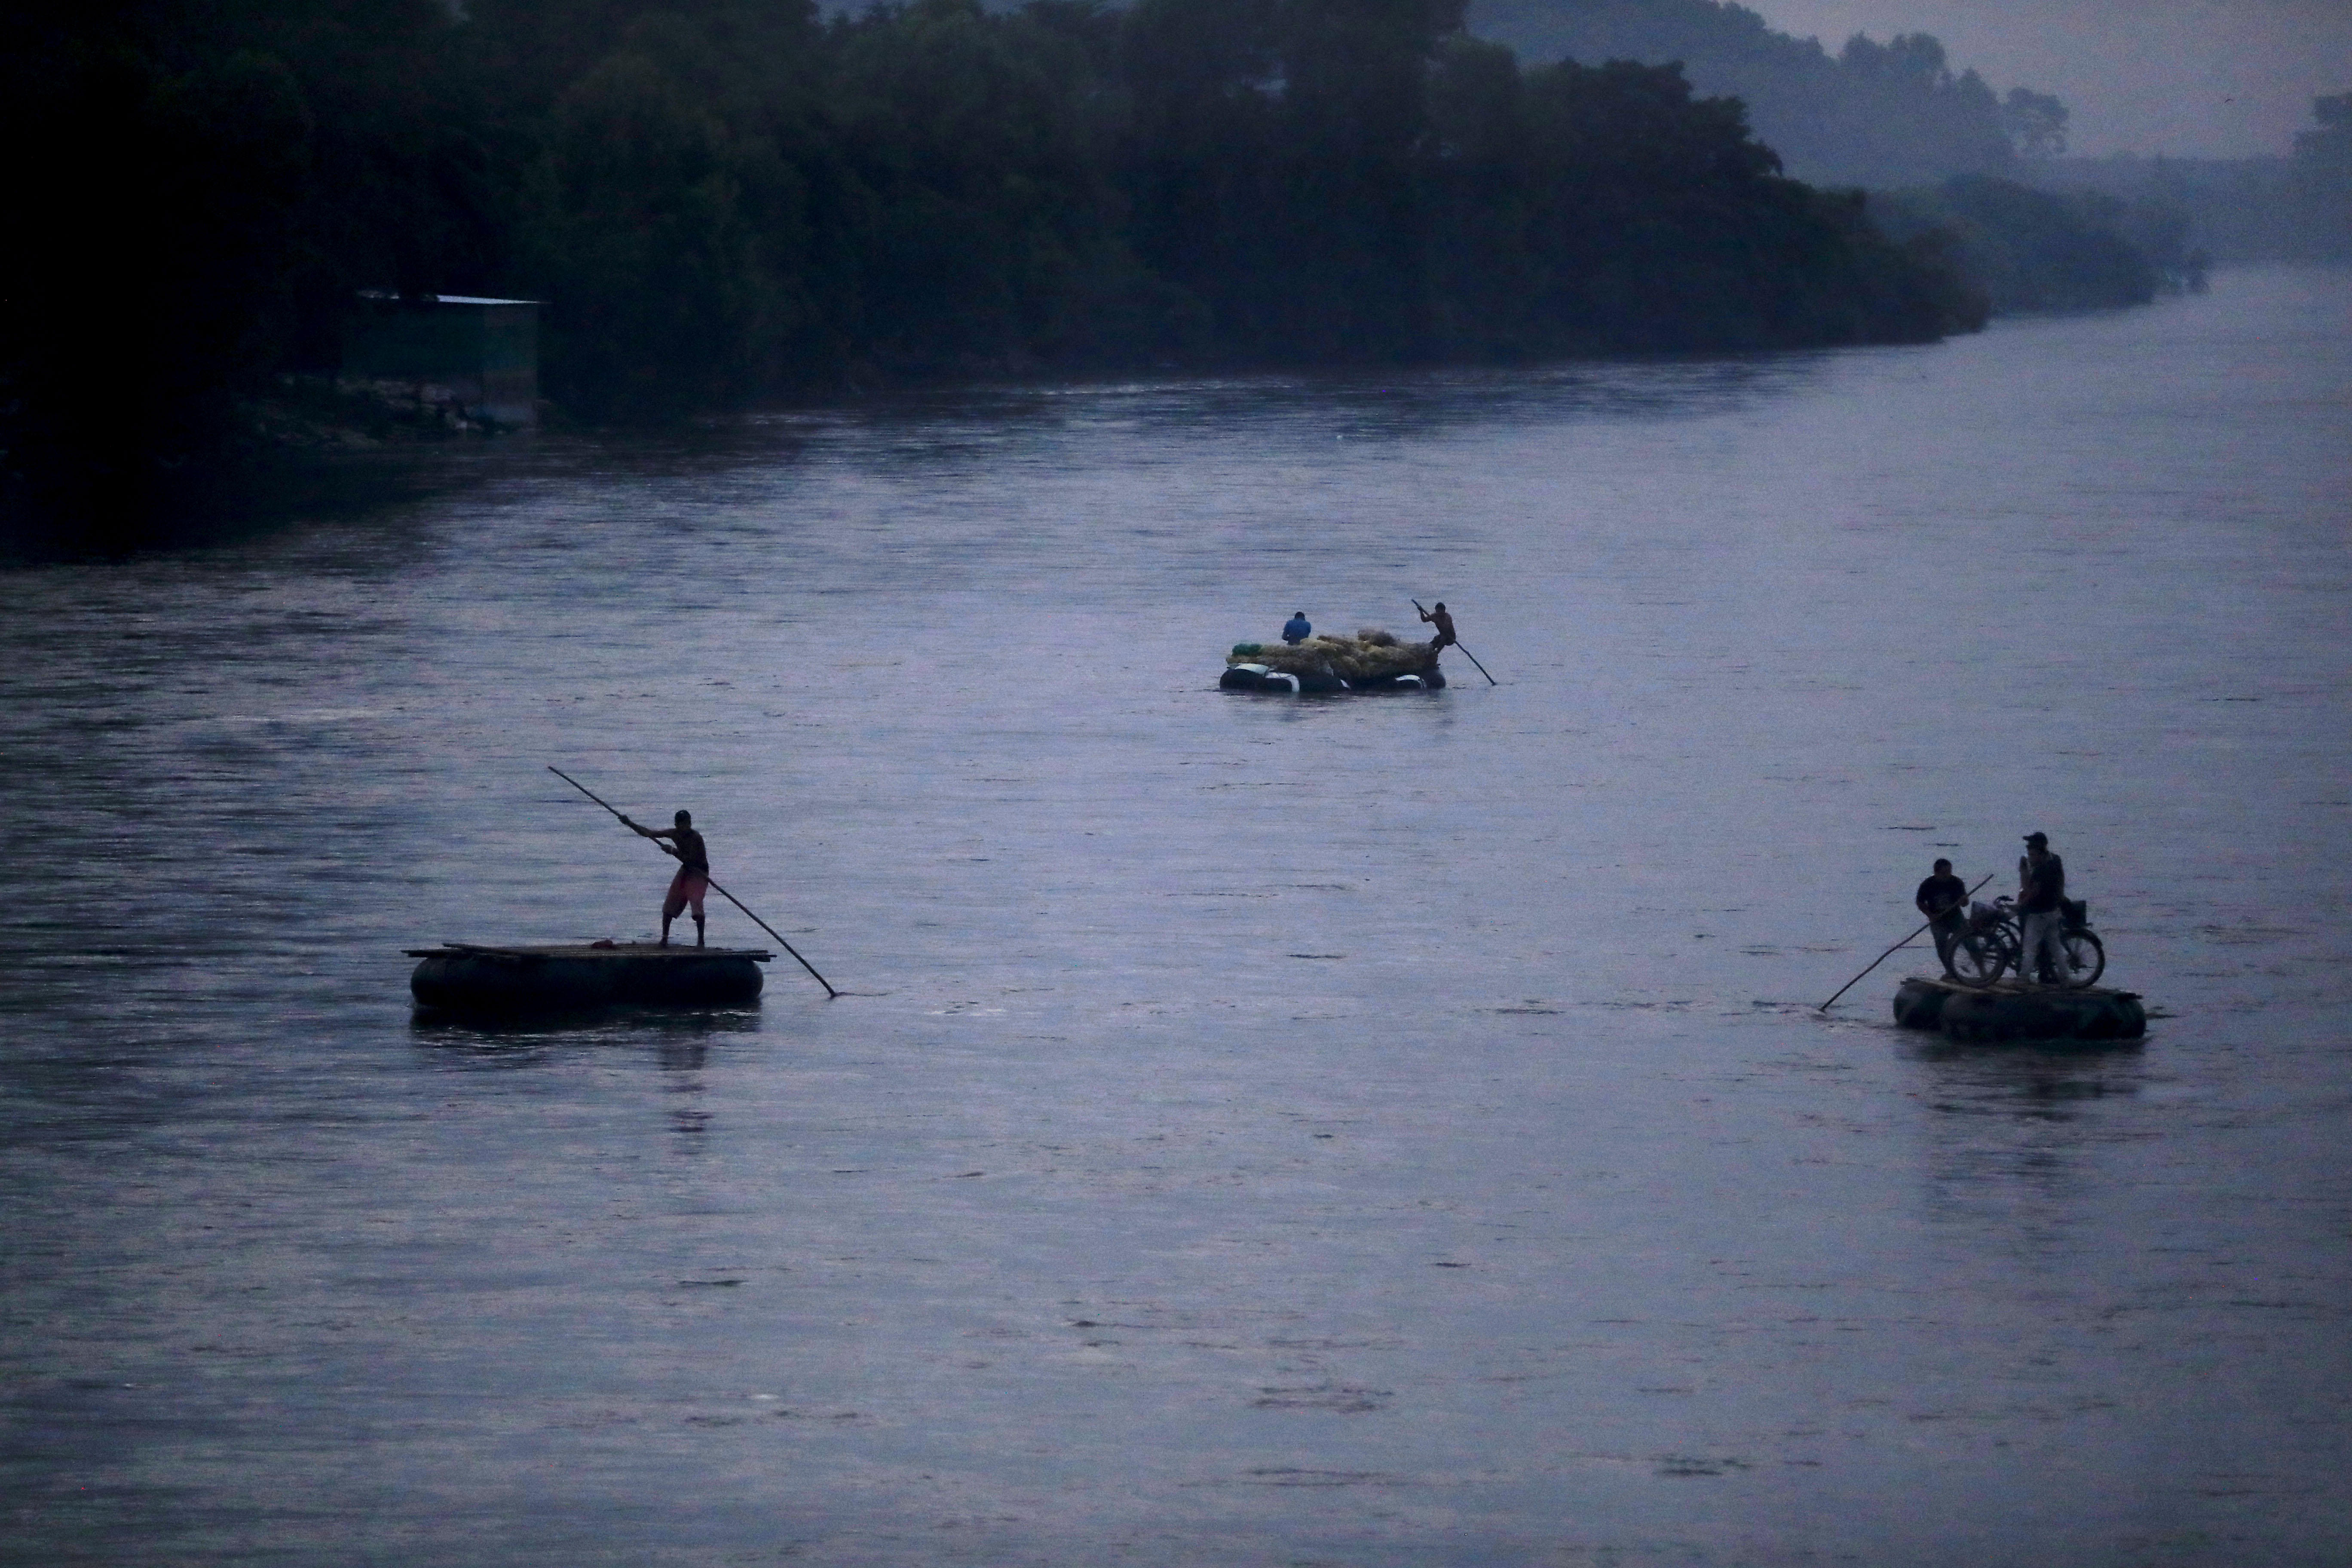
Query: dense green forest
[[721, 200], [1874, 114]]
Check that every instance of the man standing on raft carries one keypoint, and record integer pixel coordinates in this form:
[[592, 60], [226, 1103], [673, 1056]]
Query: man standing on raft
[[1939, 898], [2041, 918], [1444, 625], [693, 878]]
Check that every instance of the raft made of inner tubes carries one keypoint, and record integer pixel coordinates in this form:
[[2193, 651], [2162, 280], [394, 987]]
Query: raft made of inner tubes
[[1977, 1014], [461, 977], [1258, 678]]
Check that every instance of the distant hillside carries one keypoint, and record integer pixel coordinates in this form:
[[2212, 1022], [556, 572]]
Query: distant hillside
[[2241, 209], [1873, 114]]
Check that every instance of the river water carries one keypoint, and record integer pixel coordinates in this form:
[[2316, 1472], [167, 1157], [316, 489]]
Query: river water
[[1384, 1130]]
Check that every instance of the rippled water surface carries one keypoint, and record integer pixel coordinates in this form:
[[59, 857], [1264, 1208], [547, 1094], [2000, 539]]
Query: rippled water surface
[[1380, 1131]]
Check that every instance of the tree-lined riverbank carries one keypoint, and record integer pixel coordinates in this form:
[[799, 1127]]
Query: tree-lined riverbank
[[722, 201]]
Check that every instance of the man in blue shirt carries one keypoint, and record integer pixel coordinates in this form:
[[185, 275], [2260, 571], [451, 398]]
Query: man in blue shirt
[[1295, 630]]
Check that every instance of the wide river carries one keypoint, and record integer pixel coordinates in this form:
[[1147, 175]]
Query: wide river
[[1375, 1129]]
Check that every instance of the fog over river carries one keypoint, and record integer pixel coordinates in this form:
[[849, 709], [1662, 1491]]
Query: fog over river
[[1382, 1129]]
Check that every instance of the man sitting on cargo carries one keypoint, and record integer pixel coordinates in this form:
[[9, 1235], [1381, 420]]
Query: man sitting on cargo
[[693, 878], [1444, 625], [1939, 898], [2040, 898], [1295, 630]]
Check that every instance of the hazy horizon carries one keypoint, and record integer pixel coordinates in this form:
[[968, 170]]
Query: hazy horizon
[[2221, 78]]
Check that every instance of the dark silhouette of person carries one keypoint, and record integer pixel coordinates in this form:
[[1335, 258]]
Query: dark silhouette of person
[[693, 880], [2041, 901], [1939, 898], [1295, 630], [1444, 625]]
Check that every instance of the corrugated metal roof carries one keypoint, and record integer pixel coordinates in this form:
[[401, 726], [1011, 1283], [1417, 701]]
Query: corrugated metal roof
[[386, 295]]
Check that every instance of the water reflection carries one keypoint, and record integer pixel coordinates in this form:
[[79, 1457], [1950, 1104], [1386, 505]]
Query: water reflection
[[929, 426], [681, 1040], [2012, 1135]]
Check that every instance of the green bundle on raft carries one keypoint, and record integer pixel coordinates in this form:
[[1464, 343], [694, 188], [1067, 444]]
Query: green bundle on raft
[[1370, 655]]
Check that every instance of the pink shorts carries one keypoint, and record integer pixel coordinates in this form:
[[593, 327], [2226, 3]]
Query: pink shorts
[[686, 888]]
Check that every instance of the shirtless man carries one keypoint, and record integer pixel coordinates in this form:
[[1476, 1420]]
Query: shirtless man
[[693, 878], [1444, 625]]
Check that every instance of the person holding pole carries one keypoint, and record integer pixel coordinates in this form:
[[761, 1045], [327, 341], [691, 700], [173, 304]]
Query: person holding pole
[[1883, 956], [704, 879], [1939, 898], [693, 880], [1446, 637]]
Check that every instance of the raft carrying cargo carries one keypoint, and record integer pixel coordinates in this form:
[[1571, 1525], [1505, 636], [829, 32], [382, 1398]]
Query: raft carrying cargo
[[1372, 660], [1977, 1014], [461, 977]]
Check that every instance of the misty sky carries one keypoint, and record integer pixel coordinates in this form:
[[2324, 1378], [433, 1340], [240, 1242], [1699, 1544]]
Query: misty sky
[[2210, 78]]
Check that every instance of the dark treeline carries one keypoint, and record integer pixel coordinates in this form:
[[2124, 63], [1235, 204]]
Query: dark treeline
[[1878, 114], [726, 199], [2033, 249]]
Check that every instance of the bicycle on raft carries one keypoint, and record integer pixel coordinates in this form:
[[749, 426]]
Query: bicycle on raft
[[1992, 941]]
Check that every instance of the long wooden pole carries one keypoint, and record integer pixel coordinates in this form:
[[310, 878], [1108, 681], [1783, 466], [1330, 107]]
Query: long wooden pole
[[600, 800], [1465, 652], [1890, 951]]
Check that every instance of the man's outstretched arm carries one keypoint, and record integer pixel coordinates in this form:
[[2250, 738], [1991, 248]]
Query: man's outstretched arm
[[655, 834]]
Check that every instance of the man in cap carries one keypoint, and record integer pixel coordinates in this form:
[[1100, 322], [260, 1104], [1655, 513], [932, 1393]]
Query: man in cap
[[1295, 630], [1939, 898], [693, 878], [2041, 895]]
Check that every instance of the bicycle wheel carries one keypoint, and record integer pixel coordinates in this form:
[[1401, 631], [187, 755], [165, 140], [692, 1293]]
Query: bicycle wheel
[[2086, 958], [1976, 958]]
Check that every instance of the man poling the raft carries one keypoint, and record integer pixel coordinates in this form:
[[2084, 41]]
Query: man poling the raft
[[693, 880], [1906, 941], [693, 876], [1940, 898], [1446, 637]]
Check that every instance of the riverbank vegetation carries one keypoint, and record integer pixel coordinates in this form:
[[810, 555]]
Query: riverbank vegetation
[[722, 200], [1882, 115], [2032, 249]]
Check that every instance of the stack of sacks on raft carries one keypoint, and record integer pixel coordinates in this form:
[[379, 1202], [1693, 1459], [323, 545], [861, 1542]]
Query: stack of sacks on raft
[[1371, 657]]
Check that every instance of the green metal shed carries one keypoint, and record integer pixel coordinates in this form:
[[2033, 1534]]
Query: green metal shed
[[486, 352]]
